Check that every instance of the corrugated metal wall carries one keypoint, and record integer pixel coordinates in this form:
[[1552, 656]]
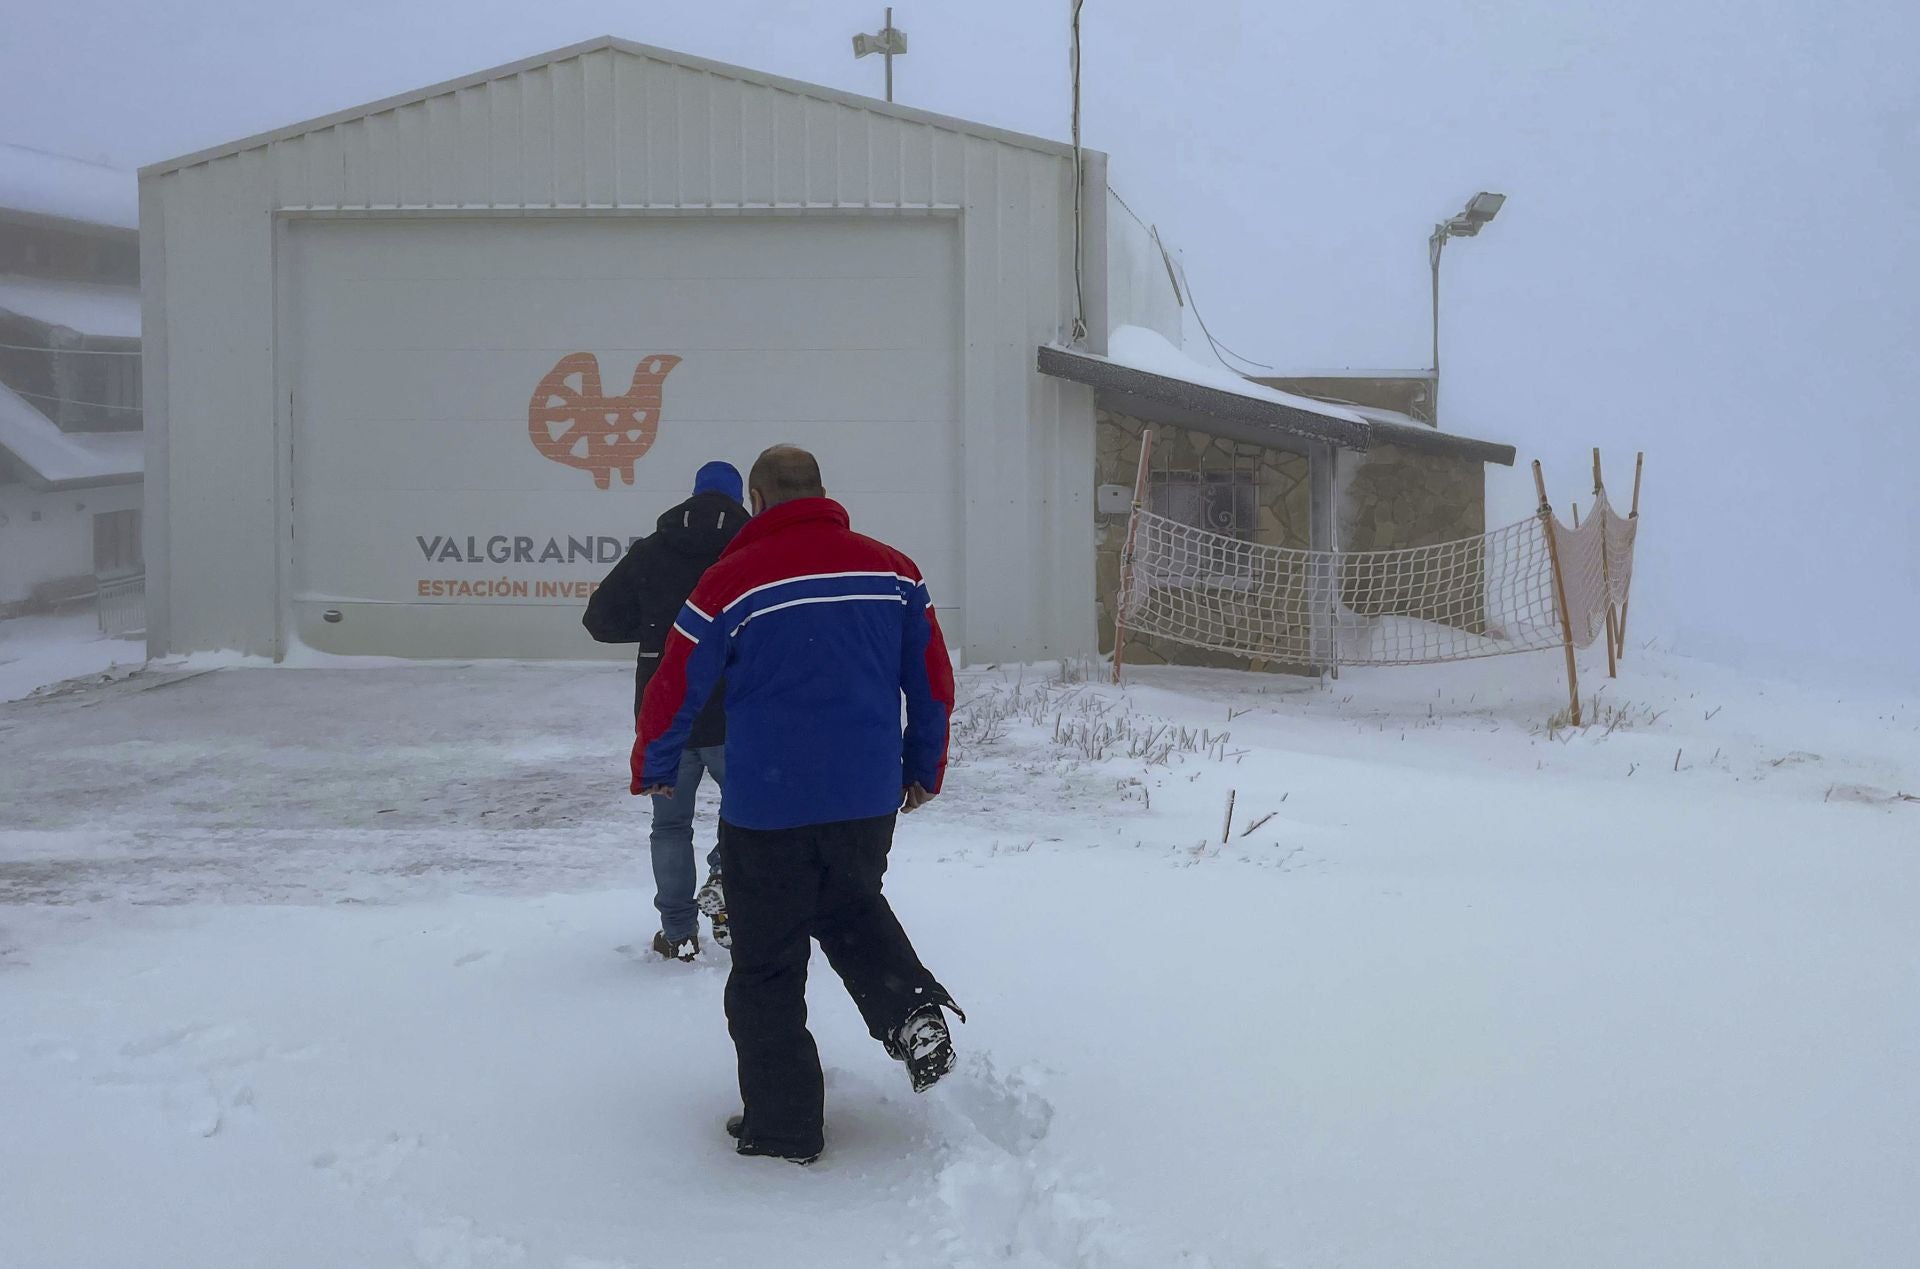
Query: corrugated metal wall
[[613, 130]]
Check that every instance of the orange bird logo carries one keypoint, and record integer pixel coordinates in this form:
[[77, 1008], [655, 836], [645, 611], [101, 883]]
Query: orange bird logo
[[574, 422]]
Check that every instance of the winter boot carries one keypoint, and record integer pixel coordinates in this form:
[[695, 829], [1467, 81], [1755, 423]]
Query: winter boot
[[676, 949], [712, 900], [925, 1045], [736, 1124]]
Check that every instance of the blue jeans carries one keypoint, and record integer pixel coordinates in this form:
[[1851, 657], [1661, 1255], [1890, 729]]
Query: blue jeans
[[673, 870]]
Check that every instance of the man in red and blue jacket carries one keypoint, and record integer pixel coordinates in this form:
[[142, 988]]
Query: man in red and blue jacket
[[819, 633]]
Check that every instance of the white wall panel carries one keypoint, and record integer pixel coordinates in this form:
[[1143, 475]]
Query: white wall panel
[[419, 345]]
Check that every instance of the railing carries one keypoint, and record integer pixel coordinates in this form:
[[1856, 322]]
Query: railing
[[121, 605]]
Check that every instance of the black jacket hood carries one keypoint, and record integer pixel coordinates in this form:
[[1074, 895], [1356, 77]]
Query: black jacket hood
[[701, 526]]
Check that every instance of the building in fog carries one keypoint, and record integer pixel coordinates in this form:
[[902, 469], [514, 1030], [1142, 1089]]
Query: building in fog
[[71, 451], [417, 371]]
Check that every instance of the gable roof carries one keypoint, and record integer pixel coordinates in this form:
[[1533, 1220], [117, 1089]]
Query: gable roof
[[65, 187], [615, 44]]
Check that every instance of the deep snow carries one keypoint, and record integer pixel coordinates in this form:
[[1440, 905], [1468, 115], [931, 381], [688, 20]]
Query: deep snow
[[337, 967]]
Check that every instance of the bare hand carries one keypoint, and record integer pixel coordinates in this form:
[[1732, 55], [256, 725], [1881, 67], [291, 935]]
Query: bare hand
[[657, 791], [914, 796]]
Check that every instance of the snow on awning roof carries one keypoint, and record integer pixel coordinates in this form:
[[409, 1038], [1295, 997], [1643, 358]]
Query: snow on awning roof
[[60, 185], [61, 460], [1393, 418], [1149, 350], [1351, 372], [111, 312], [1145, 375]]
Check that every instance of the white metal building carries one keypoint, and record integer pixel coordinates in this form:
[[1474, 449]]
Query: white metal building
[[70, 444], [416, 372]]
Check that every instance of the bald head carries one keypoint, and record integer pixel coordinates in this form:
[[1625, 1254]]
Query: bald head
[[782, 474]]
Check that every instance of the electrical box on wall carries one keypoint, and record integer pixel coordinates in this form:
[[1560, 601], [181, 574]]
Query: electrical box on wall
[[1113, 500]]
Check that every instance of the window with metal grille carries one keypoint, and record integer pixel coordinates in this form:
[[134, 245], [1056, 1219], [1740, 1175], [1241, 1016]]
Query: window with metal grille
[[116, 543], [1222, 500]]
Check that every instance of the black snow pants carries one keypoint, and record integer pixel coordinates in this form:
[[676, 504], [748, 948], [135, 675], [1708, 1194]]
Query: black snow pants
[[785, 887]]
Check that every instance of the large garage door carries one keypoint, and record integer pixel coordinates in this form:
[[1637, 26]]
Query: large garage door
[[487, 410]]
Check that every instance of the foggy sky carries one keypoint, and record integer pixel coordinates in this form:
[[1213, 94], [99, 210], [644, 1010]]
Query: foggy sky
[[1708, 251]]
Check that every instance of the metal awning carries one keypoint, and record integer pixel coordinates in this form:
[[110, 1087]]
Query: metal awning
[[1258, 416]]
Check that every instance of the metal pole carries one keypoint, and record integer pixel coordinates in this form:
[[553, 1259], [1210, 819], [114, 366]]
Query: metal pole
[[1627, 601], [1079, 182], [1559, 592], [888, 37], [1126, 555], [1435, 245], [1601, 510]]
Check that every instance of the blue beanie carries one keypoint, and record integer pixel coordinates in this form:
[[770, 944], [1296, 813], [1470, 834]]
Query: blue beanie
[[718, 477]]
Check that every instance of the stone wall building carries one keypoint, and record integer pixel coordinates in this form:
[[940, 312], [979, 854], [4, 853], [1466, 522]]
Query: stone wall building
[[1271, 468], [1281, 511]]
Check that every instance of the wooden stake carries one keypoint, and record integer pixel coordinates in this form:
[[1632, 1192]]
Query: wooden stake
[[1227, 829], [1126, 556], [1251, 828], [1606, 565], [1627, 602], [1559, 590]]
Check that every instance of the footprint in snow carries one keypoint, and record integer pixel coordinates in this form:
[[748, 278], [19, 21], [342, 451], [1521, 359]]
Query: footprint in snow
[[198, 1075], [368, 1164], [52, 1049], [159, 1042], [454, 1243], [1007, 1110]]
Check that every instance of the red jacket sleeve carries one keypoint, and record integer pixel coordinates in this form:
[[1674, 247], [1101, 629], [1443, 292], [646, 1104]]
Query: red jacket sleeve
[[693, 661], [926, 679]]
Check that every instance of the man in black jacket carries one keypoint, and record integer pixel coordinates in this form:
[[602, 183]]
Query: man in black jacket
[[637, 603]]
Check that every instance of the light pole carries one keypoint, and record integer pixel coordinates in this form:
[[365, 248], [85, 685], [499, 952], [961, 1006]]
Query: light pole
[[1480, 209]]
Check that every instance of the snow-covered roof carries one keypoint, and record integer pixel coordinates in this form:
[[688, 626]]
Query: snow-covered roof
[[1138, 348], [49, 184], [1145, 374], [67, 458], [112, 312]]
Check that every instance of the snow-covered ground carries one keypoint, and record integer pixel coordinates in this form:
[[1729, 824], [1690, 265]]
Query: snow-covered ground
[[338, 968], [47, 649]]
